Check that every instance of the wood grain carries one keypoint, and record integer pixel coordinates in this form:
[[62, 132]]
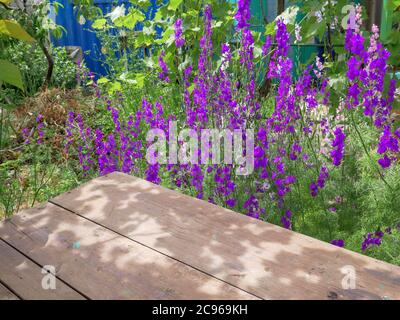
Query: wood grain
[[104, 265], [266, 260], [25, 277]]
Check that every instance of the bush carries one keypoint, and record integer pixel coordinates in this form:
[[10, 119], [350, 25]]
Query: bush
[[33, 66]]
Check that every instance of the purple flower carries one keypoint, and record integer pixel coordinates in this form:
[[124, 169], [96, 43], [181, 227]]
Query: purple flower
[[230, 202], [26, 132], [338, 147], [252, 207], [338, 243], [163, 75], [320, 184], [314, 189], [385, 162], [388, 142], [179, 41], [267, 45], [39, 128], [372, 239], [243, 14], [354, 42], [287, 220]]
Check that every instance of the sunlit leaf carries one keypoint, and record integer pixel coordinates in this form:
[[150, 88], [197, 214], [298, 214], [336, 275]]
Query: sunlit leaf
[[13, 29], [102, 80], [140, 80], [167, 34], [174, 4], [270, 28], [99, 24], [115, 86], [129, 21], [10, 73]]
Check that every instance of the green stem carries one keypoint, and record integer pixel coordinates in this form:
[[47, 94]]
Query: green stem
[[367, 152], [1, 127]]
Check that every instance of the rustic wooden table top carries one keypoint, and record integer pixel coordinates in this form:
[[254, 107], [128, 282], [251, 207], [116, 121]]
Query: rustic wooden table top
[[120, 237]]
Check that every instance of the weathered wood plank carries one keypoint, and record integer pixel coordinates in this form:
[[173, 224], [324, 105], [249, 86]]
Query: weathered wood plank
[[104, 265], [269, 261], [6, 294], [25, 277]]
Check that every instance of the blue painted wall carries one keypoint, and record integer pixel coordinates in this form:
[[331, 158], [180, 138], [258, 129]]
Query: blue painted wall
[[83, 35]]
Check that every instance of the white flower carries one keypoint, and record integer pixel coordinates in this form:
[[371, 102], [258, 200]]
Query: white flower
[[289, 15], [318, 14], [119, 11], [397, 92], [297, 31], [81, 20]]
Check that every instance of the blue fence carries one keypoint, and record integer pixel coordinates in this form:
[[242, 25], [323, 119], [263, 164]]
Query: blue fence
[[83, 35]]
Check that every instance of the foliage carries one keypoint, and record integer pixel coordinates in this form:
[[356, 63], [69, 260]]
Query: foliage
[[31, 22], [127, 37], [33, 66]]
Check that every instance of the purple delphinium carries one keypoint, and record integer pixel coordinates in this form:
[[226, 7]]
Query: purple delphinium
[[372, 239], [338, 147], [252, 207], [266, 45], [163, 75], [224, 184], [243, 14], [320, 184], [385, 162], [39, 128], [367, 70], [287, 220], [26, 132], [179, 41], [388, 143], [338, 242]]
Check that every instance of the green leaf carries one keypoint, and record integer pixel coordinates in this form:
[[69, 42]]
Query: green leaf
[[102, 80], [174, 4], [10, 73], [5, 1], [158, 16], [270, 28], [216, 24], [191, 88], [115, 86], [99, 24], [167, 34], [140, 80], [13, 29], [129, 21]]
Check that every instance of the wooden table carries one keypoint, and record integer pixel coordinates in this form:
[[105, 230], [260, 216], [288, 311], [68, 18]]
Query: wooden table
[[120, 237]]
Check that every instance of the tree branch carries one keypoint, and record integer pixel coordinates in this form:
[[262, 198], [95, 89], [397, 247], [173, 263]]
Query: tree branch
[[5, 6], [50, 67]]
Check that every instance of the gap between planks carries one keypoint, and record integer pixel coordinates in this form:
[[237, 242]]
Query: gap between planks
[[155, 250], [187, 234], [29, 277], [33, 233]]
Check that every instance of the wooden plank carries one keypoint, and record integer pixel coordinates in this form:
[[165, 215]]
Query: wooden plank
[[6, 294], [104, 265], [269, 261], [25, 277]]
